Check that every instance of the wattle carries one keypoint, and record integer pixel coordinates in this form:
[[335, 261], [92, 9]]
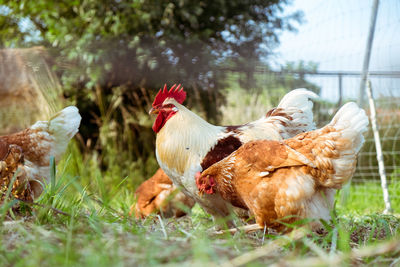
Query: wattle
[[161, 119], [159, 122]]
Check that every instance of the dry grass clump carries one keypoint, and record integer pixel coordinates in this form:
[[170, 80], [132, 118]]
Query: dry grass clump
[[29, 90]]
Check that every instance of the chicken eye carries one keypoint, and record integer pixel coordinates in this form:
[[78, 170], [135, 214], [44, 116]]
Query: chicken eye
[[170, 107]]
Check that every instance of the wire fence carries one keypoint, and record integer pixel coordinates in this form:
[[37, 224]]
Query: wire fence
[[351, 36], [336, 88], [328, 28], [386, 94]]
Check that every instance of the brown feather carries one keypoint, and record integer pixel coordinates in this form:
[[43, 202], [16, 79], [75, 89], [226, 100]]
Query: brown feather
[[222, 149], [3, 149], [10, 166], [159, 194], [283, 181], [31, 142]]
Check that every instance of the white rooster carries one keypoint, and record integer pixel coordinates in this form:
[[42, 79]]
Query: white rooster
[[186, 144]]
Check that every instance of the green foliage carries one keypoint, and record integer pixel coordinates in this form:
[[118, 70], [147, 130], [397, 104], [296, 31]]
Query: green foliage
[[9, 33], [112, 56], [147, 43]]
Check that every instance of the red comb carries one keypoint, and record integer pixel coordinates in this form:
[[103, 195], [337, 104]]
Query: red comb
[[178, 94]]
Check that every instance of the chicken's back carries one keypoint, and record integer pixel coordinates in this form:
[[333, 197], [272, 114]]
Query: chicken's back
[[47, 138]]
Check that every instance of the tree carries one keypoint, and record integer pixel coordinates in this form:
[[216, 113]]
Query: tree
[[107, 51], [143, 42]]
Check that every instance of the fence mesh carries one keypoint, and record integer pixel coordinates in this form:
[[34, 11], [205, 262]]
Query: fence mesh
[[334, 35], [335, 88], [335, 77]]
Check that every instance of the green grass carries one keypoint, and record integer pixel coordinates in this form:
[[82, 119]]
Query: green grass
[[367, 198], [82, 220], [94, 229]]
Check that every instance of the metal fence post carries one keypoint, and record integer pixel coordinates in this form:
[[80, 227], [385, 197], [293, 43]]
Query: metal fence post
[[340, 79], [367, 55], [379, 154]]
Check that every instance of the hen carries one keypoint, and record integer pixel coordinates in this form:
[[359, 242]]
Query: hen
[[11, 159], [27, 154], [283, 181], [158, 194], [187, 144]]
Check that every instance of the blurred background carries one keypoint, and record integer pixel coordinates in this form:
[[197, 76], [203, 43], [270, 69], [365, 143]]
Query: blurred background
[[236, 59]]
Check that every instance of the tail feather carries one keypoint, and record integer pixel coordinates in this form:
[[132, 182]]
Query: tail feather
[[341, 141], [292, 116], [352, 122], [299, 98], [63, 126], [298, 106], [65, 123], [48, 138]]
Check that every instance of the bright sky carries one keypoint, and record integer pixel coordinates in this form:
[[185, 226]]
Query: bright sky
[[334, 35]]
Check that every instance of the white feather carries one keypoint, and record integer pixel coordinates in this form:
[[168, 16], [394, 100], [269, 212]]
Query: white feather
[[298, 105], [56, 133], [299, 98], [350, 122], [63, 126]]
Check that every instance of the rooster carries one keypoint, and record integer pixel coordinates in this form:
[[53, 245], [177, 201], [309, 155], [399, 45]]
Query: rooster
[[187, 144], [287, 180], [27, 154], [158, 194]]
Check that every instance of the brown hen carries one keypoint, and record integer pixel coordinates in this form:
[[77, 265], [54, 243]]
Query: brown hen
[[158, 194], [284, 181], [30, 150]]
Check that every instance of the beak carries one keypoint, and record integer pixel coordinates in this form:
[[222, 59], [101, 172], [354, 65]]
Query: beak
[[153, 111]]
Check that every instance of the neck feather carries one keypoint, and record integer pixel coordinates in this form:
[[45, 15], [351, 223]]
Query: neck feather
[[185, 139]]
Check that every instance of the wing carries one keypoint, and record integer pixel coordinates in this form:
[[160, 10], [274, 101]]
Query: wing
[[265, 156]]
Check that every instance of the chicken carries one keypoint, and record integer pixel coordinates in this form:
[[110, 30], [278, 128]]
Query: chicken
[[288, 180], [11, 160], [158, 194], [27, 153], [187, 144]]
